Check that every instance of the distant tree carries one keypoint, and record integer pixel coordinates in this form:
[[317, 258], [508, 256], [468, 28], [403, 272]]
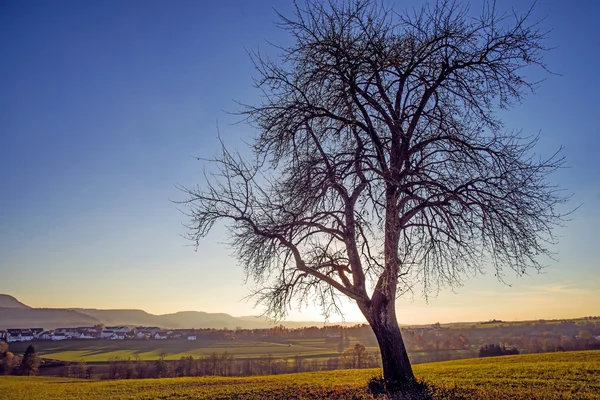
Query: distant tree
[[381, 162], [142, 369], [128, 368], [161, 367], [185, 366], [66, 370], [30, 362], [82, 369], [492, 350], [8, 361], [90, 372], [299, 363], [114, 368], [355, 357]]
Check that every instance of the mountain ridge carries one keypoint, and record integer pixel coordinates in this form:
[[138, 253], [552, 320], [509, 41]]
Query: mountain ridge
[[8, 301], [23, 316]]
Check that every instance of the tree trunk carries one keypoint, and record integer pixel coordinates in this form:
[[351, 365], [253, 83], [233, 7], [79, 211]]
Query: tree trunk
[[381, 315]]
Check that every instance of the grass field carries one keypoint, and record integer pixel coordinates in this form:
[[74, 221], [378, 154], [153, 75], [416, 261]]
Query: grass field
[[103, 350], [572, 375]]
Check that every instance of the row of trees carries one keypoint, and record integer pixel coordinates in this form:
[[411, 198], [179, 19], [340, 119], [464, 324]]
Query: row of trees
[[11, 364], [225, 364], [492, 350]]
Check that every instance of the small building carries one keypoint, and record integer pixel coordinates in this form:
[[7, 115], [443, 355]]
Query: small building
[[36, 331], [45, 335], [68, 332], [106, 334], [161, 335], [191, 337], [117, 336], [84, 334], [18, 335], [59, 336]]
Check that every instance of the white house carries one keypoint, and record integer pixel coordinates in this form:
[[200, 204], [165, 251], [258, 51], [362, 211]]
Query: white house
[[36, 331], [106, 334], [86, 335], [18, 335], [117, 336], [46, 335], [148, 330], [26, 335], [160, 335], [59, 336], [68, 332], [191, 337]]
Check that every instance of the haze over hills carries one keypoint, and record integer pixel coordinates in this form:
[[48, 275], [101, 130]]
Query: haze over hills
[[14, 314], [183, 319]]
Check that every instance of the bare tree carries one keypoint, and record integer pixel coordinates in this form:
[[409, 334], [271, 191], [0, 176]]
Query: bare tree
[[381, 164]]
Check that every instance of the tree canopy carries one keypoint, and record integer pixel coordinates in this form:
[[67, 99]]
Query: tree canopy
[[381, 164]]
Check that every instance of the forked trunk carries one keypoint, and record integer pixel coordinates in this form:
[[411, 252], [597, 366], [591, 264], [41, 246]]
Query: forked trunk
[[397, 371]]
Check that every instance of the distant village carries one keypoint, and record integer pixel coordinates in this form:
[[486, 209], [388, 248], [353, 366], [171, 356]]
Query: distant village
[[96, 332]]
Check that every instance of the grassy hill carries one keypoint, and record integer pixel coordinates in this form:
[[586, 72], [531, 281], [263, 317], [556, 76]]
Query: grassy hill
[[570, 375]]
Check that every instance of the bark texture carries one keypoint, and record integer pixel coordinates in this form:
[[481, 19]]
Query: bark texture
[[397, 370]]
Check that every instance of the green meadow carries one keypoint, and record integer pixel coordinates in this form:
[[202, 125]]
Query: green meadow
[[103, 350], [569, 375]]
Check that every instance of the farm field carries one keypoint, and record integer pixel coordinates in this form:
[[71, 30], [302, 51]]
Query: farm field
[[104, 350], [569, 375]]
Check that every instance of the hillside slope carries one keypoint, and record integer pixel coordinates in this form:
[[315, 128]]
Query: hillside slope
[[7, 301]]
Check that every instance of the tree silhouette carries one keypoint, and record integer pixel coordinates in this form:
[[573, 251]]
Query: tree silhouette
[[30, 362], [381, 164]]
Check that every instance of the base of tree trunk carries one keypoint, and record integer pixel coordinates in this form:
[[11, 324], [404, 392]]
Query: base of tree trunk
[[415, 391], [397, 371]]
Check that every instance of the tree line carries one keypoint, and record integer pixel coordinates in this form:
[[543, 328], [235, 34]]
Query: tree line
[[225, 364], [11, 364]]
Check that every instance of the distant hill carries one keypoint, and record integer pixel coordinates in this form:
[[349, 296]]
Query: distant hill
[[185, 319], [7, 301], [18, 315], [47, 318], [125, 317]]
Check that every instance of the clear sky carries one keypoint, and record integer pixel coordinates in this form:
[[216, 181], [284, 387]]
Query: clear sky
[[103, 103]]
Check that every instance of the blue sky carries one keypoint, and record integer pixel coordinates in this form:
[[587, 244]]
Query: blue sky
[[102, 105]]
